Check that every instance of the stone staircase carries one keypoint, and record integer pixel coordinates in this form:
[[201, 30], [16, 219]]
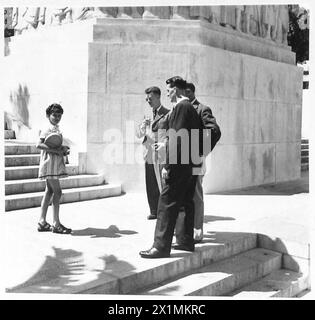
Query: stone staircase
[[304, 154], [24, 190], [232, 266], [9, 134], [252, 273]]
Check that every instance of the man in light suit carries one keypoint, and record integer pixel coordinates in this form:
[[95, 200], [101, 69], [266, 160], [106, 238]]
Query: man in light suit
[[151, 131]]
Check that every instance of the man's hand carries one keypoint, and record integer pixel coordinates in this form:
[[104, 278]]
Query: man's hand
[[164, 173], [158, 146], [144, 124]]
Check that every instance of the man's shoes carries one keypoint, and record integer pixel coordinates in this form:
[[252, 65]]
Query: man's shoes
[[184, 247], [151, 216], [153, 253], [197, 241]]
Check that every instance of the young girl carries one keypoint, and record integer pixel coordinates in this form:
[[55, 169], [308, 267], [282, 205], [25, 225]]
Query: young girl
[[51, 168]]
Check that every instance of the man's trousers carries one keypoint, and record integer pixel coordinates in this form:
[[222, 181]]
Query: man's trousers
[[178, 191], [152, 188]]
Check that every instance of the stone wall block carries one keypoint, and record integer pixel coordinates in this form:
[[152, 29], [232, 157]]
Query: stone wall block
[[288, 161]]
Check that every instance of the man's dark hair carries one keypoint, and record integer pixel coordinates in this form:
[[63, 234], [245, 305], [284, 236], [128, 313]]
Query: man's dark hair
[[155, 90], [191, 86], [177, 82], [55, 107]]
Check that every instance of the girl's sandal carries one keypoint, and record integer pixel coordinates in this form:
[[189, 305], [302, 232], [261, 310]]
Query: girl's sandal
[[44, 227], [61, 229]]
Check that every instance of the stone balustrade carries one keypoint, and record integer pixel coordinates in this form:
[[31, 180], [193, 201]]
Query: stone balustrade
[[266, 21]]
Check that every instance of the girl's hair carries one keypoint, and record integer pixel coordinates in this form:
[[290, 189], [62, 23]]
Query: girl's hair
[[55, 107]]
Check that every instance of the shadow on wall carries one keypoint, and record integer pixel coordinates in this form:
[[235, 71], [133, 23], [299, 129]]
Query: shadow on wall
[[20, 108]]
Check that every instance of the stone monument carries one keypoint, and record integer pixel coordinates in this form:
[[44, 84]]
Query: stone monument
[[98, 67]]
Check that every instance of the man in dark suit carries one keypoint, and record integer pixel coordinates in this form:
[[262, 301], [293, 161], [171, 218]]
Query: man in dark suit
[[153, 140], [180, 183], [208, 123]]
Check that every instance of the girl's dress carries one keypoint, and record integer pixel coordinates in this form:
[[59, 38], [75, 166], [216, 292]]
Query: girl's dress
[[51, 165]]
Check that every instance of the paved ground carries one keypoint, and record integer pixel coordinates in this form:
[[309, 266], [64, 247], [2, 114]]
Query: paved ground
[[116, 229]]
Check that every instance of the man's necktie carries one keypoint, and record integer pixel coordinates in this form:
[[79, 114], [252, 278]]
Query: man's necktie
[[154, 113]]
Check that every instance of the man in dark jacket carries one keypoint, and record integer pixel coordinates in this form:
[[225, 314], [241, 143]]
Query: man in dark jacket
[[180, 182], [209, 124]]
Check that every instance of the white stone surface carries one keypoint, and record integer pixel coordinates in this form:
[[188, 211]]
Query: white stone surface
[[50, 65]]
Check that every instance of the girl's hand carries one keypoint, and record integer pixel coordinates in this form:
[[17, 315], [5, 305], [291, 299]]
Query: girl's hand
[[65, 150], [60, 151]]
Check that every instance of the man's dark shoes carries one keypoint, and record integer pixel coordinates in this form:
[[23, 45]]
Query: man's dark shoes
[[153, 253], [184, 247], [151, 216]]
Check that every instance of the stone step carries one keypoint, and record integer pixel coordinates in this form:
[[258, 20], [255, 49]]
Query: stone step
[[36, 185], [18, 141], [304, 166], [120, 279], [222, 277], [307, 294], [9, 134], [304, 159], [18, 147], [30, 200], [21, 160], [223, 246], [281, 283], [304, 147], [29, 172]]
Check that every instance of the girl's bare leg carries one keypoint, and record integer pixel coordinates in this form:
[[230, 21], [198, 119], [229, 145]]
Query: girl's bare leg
[[45, 203], [55, 185]]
